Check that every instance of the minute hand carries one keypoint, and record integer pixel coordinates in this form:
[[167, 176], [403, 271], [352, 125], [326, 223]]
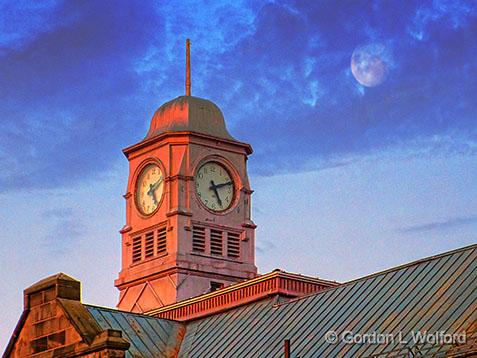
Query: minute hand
[[217, 186], [154, 186], [214, 188]]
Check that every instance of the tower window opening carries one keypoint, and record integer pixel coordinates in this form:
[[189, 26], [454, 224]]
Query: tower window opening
[[161, 240], [137, 249], [233, 245], [198, 238], [149, 245], [216, 242]]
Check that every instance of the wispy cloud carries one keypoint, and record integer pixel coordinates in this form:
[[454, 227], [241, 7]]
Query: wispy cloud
[[414, 103], [454, 13], [69, 95], [58, 213], [451, 223], [264, 246], [66, 227], [75, 92], [22, 21]]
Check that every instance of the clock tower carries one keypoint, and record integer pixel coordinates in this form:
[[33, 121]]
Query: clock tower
[[188, 222]]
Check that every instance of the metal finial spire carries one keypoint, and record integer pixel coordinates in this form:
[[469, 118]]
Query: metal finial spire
[[187, 67]]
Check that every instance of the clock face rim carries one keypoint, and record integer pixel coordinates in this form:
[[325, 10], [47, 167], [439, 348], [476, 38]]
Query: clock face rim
[[139, 172], [233, 178]]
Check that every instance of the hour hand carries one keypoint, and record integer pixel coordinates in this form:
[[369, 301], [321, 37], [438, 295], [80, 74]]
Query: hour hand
[[214, 188], [152, 193], [152, 190]]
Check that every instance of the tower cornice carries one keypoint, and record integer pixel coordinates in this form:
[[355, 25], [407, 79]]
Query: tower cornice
[[148, 142]]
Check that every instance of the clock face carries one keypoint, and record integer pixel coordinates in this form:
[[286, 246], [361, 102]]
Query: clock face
[[149, 188], [214, 186]]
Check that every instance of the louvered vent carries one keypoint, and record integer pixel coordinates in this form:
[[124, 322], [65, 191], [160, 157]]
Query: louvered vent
[[233, 245], [216, 242], [198, 238], [149, 245], [136, 249], [161, 241]]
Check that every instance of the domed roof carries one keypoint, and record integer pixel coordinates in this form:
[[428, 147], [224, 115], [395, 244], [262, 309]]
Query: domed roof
[[192, 114]]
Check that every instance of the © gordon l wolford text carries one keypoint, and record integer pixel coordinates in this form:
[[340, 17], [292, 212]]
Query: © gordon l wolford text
[[414, 337]]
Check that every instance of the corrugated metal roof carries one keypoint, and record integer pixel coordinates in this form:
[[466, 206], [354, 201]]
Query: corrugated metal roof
[[435, 294], [148, 336]]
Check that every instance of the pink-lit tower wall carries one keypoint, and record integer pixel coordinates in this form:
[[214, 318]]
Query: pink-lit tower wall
[[184, 245]]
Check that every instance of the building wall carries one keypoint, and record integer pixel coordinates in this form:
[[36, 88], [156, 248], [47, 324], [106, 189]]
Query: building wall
[[46, 328]]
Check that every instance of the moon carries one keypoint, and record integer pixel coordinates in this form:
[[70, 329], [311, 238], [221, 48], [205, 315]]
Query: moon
[[369, 64]]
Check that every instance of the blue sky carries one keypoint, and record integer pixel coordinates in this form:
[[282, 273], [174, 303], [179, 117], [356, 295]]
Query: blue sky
[[374, 176]]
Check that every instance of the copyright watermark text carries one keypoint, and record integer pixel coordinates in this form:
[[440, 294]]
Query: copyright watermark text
[[414, 337]]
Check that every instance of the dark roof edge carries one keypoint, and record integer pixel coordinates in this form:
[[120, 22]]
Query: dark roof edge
[[128, 312], [396, 268], [81, 319], [416, 262], [15, 334]]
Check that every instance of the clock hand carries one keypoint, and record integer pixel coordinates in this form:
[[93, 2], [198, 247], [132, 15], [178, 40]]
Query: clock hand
[[151, 192], [152, 189], [214, 188], [217, 186], [157, 183]]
